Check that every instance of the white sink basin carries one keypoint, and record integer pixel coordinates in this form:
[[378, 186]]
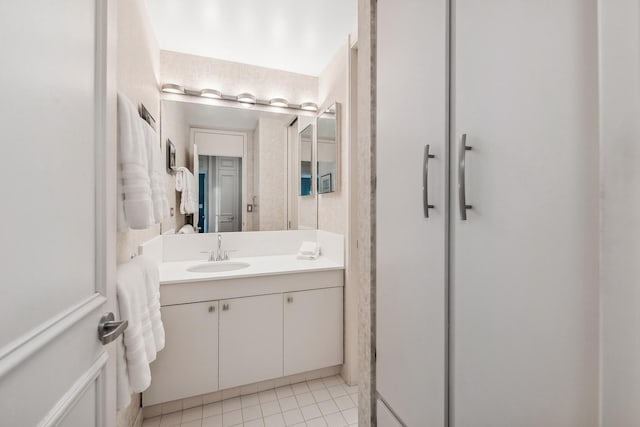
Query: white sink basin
[[217, 267]]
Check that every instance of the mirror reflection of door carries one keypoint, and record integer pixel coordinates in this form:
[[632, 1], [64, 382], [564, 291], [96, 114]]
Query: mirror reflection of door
[[306, 161], [220, 193]]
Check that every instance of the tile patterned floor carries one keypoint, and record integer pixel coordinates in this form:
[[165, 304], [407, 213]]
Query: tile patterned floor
[[326, 402]]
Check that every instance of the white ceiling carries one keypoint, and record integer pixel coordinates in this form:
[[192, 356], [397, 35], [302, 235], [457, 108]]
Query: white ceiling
[[299, 36]]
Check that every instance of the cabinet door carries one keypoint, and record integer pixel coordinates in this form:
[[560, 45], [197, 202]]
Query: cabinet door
[[411, 259], [385, 417], [313, 330], [250, 340], [188, 365], [525, 262]]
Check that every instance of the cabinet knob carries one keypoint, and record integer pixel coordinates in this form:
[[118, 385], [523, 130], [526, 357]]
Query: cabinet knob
[[225, 307], [211, 309], [289, 300]]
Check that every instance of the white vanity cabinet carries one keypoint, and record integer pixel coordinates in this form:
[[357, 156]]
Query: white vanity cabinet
[[250, 339], [313, 329], [248, 330], [188, 365]]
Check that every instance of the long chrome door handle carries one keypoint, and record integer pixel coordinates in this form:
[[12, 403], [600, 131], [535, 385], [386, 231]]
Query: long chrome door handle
[[109, 329], [462, 190], [425, 181]]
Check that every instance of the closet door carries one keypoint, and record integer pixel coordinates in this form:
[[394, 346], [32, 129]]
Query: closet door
[[410, 261], [525, 262]]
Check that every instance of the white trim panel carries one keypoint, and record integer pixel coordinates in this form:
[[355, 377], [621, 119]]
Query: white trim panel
[[18, 351], [73, 395]]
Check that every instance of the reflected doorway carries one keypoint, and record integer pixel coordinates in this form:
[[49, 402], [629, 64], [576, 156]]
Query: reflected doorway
[[220, 193]]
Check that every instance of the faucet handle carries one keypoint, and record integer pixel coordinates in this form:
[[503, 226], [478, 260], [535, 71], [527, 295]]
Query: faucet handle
[[210, 253], [226, 254]]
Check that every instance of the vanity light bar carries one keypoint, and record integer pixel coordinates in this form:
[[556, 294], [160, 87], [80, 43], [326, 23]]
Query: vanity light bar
[[244, 98], [247, 98], [173, 88], [309, 106], [279, 102], [211, 93]]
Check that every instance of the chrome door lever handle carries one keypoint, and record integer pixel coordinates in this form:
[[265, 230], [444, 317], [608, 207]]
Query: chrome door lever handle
[[109, 329]]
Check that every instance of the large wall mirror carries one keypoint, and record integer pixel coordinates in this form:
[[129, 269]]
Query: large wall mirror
[[241, 167], [328, 149]]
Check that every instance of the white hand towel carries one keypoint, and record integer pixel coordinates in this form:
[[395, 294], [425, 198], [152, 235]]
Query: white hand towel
[[156, 173], [134, 198], [308, 248], [123, 389], [185, 184], [132, 301], [309, 251], [152, 282]]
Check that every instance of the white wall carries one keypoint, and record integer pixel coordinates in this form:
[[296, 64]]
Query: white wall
[[138, 76], [271, 170], [177, 130], [620, 211], [333, 86], [333, 209]]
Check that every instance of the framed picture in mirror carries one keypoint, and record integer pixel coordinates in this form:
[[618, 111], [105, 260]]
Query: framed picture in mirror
[[325, 183], [171, 157]]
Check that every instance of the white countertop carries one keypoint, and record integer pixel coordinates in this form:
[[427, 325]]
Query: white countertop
[[176, 272]]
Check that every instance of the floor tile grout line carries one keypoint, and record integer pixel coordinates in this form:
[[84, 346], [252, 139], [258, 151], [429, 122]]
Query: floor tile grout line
[[327, 382]]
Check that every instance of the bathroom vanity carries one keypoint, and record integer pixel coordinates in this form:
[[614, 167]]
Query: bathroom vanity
[[269, 315]]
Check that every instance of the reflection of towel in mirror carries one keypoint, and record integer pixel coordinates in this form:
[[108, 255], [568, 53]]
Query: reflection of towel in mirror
[[156, 173], [185, 184], [187, 229], [135, 207]]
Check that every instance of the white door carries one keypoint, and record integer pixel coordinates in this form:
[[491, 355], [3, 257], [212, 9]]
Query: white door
[[525, 262], [188, 364], [250, 340], [228, 195], [313, 329], [57, 251], [411, 248]]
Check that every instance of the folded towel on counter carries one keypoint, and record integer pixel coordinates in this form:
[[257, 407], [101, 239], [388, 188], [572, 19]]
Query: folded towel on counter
[[135, 205], [152, 287], [309, 250], [157, 173], [185, 184]]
